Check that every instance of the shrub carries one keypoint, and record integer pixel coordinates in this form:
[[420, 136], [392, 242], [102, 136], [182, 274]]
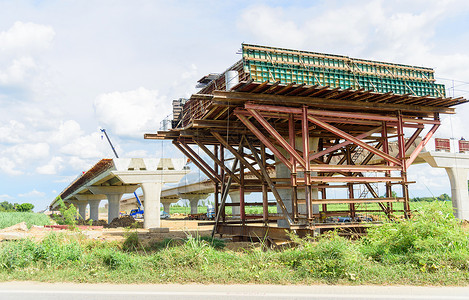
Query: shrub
[[431, 239], [68, 215], [331, 257], [24, 207]]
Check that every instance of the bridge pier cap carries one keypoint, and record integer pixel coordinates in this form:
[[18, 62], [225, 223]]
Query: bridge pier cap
[[457, 167], [151, 174]]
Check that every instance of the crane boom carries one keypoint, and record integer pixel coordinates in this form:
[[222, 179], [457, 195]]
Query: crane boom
[[139, 203]]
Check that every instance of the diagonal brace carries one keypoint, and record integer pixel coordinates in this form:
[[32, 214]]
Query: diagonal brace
[[354, 140]]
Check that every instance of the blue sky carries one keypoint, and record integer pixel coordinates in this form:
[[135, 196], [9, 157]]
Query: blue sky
[[68, 68]]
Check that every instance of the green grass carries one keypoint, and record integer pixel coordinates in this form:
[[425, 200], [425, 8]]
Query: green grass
[[203, 209], [8, 219], [431, 249], [331, 207]]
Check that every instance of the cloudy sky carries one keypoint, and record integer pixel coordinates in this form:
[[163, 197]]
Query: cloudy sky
[[69, 68]]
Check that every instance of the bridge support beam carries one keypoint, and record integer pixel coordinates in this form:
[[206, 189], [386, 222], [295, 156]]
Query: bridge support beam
[[152, 194], [93, 201], [166, 206], [194, 200], [94, 209], [113, 195], [457, 167]]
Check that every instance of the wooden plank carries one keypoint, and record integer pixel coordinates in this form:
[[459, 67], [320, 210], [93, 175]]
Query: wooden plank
[[353, 168], [356, 200], [224, 97], [353, 179]]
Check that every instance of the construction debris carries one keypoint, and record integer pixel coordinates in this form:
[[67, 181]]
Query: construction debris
[[125, 221]]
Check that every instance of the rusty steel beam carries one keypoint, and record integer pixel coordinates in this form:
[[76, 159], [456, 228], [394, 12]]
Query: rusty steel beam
[[221, 207], [194, 160], [264, 140], [293, 173], [277, 136], [420, 146], [217, 161], [349, 137], [236, 154], [307, 172], [269, 182], [412, 138], [325, 113], [200, 160], [343, 144], [353, 168], [353, 179], [357, 200]]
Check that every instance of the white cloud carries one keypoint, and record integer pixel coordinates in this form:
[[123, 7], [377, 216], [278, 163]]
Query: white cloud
[[269, 24], [9, 167], [67, 132], [5, 197], [132, 113], [19, 48], [10, 132], [25, 38], [52, 167], [32, 194], [138, 153], [87, 146], [19, 70]]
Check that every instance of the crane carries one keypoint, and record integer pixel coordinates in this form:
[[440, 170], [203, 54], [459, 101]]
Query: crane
[[136, 213]]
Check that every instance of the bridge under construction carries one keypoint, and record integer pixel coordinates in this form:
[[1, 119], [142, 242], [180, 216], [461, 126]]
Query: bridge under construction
[[323, 122]]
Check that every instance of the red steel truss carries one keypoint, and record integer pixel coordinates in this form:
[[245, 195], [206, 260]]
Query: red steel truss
[[302, 150]]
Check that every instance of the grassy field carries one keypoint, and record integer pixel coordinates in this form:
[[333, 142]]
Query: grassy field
[[332, 207], [431, 249], [8, 219]]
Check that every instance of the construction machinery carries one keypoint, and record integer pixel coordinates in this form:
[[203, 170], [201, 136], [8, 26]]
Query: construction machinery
[[138, 212]]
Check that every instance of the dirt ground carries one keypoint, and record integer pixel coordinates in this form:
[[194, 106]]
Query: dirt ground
[[178, 229]]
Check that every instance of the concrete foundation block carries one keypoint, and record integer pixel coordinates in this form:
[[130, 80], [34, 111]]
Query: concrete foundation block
[[158, 230]]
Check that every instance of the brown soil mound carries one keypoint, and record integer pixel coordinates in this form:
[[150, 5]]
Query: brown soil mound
[[125, 221], [95, 223]]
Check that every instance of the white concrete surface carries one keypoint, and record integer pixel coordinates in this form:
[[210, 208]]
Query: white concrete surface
[[113, 195], [457, 167], [151, 177], [71, 291]]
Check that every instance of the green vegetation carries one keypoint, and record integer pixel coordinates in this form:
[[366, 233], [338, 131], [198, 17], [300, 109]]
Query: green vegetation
[[8, 219], [442, 197], [431, 249], [416, 203], [203, 209], [6, 206], [24, 207], [68, 215]]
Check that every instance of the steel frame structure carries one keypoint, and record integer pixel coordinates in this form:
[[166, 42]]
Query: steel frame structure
[[248, 133]]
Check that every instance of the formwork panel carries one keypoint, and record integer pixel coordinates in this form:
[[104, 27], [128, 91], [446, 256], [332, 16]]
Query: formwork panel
[[293, 66]]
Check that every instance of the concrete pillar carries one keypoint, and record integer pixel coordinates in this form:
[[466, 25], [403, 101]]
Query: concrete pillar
[[151, 175], [93, 201], [166, 206], [113, 207], [113, 195], [193, 200], [193, 204], [459, 192], [457, 167], [235, 198], [152, 193], [283, 172], [94, 209], [82, 209]]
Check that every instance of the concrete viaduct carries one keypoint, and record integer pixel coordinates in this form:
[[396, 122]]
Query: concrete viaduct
[[112, 178]]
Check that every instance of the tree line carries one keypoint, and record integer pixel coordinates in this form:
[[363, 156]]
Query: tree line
[[6, 206]]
